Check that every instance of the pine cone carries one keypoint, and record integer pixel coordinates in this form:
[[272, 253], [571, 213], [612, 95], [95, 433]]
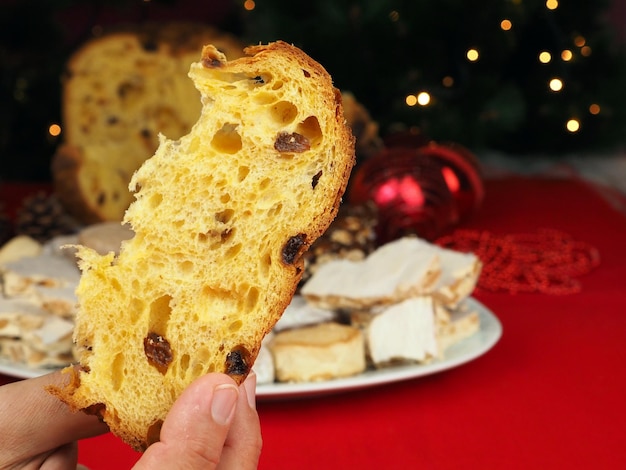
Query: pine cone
[[352, 236], [364, 128], [42, 217]]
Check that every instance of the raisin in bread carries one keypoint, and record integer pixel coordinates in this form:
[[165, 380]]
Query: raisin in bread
[[120, 91], [221, 218]]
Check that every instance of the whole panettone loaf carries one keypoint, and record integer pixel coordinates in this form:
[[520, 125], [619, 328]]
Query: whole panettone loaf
[[120, 91], [221, 218]]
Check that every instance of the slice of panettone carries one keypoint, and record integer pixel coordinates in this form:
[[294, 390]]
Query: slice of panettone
[[220, 220]]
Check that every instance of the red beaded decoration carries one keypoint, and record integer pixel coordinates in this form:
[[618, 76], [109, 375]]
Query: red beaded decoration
[[547, 261]]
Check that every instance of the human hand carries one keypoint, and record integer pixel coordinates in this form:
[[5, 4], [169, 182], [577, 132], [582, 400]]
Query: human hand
[[213, 424]]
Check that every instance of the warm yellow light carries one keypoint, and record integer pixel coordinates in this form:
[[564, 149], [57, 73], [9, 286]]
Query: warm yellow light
[[552, 4], [579, 41], [556, 84], [545, 57], [506, 25], [447, 81], [472, 55], [394, 16], [249, 5], [594, 108], [566, 55], [585, 51], [411, 100], [54, 130], [573, 125], [423, 98]]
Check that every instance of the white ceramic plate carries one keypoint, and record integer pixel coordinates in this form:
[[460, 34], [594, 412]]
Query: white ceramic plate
[[456, 355]]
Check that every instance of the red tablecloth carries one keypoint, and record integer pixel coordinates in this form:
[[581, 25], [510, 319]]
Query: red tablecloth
[[550, 394]]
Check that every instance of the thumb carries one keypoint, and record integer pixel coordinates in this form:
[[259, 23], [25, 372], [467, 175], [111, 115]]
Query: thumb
[[195, 429]]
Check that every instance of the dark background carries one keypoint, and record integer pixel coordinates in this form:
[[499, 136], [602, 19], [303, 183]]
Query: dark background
[[381, 50]]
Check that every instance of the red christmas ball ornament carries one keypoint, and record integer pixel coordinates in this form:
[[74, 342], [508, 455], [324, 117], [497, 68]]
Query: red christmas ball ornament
[[418, 187], [461, 170], [409, 190]]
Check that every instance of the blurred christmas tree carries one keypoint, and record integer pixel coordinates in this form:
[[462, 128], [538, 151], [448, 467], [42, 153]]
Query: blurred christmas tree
[[523, 76]]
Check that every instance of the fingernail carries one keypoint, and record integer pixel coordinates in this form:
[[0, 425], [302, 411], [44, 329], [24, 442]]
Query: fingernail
[[223, 404], [249, 386]]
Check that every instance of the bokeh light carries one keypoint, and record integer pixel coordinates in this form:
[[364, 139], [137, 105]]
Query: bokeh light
[[594, 108], [54, 130], [423, 98], [573, 125], [552, 4], [556, 84], [411, 100], [472, 55], [545, 57]]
